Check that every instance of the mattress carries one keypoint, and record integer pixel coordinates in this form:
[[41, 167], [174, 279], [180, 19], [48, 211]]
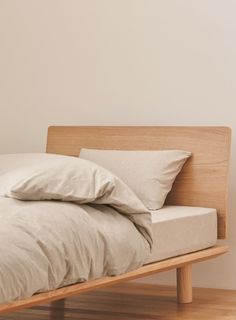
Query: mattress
[[179, 230]]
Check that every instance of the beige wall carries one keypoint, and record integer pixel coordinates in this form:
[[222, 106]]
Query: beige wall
[[120, 62]]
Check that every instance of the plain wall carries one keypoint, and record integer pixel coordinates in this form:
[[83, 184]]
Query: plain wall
[[107, 62]]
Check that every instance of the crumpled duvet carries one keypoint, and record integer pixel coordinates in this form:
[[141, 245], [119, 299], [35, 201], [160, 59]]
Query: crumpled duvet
[[49, 244]]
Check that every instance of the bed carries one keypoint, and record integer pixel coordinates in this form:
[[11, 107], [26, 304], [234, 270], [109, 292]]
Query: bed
[[197, 201]]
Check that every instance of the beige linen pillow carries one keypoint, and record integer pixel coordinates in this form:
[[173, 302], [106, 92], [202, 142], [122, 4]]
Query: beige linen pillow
[[150, 174]]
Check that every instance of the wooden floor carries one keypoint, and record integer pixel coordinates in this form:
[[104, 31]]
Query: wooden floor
[[133, 301]]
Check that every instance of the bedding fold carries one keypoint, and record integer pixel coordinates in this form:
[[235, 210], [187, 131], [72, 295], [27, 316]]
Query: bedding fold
[[52, 237]]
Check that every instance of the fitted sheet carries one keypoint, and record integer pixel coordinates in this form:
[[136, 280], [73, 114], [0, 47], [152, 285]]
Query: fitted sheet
[[181, 229]]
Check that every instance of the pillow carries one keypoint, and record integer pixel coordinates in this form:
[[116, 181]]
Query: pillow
[[150, 174], [55, 177]]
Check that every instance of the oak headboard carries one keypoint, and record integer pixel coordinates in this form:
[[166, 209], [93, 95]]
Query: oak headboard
[[203, 180]]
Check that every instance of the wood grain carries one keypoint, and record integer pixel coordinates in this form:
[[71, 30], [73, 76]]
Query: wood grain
[[184, 284], [146, 270], [133, 301], [203, 180]]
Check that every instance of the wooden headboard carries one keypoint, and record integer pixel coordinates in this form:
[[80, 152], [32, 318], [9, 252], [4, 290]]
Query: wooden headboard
[[203, 180]]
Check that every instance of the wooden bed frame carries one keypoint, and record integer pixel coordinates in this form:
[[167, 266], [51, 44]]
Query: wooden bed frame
[[202, 182]]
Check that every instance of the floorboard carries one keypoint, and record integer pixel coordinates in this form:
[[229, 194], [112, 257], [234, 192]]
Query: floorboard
[[134, 301]]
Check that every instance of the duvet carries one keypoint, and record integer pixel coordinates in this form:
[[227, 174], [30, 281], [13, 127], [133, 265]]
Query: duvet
[[64, 238]]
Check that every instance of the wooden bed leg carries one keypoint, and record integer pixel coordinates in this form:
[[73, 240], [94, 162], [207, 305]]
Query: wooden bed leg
[[184, 284], [57, 310]]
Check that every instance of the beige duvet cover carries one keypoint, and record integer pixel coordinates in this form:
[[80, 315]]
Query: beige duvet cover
[[48, 244]]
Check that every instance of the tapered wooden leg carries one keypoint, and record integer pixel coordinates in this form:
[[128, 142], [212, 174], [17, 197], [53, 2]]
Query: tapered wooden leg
[[184, 284], [57, 310]]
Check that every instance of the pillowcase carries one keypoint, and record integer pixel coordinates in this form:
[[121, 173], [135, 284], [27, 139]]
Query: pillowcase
[[150, 174]]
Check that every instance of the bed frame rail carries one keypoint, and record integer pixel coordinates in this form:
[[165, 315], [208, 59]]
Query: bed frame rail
[[181, 263]]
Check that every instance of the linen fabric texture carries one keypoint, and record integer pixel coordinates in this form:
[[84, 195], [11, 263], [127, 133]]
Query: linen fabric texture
[[65, 220], [150, 174]]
